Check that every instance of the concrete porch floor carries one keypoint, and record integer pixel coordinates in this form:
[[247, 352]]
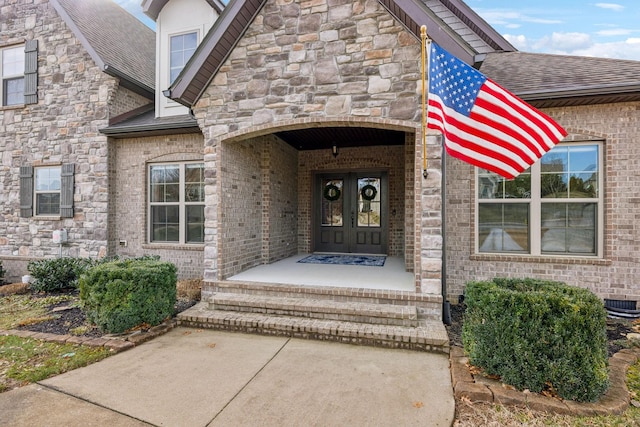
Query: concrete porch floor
[[391, 276]]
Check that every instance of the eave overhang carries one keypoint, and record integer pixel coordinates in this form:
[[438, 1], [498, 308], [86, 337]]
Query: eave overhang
[[576, 96]]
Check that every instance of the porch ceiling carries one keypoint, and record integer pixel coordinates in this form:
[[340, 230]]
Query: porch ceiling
[[324, 137]]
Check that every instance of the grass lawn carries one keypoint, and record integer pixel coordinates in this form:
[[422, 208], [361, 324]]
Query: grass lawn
[[25, 360]]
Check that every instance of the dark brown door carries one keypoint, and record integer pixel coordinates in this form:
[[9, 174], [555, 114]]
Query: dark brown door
[[351, 213]]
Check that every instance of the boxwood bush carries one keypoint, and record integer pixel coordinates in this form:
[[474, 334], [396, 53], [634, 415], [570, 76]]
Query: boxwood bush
[[535, 334], [57, 274], [122, 294]]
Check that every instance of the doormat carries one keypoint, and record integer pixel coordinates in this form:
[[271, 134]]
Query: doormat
[[365, 260]]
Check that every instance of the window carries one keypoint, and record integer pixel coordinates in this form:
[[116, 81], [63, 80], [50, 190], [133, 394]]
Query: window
[[553, 208], [182, 47], [176, 203], [19, 74], [48, 189], [12, 71], [47, 194]]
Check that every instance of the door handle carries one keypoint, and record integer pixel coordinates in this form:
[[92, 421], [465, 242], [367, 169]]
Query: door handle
[[353, 219]]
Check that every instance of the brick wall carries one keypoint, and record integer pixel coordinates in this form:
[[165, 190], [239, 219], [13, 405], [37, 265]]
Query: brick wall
[[125, 100], [128, 170], [615, 275], [259, 205]]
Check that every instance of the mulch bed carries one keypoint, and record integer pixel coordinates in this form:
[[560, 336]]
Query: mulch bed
[[67, 318]]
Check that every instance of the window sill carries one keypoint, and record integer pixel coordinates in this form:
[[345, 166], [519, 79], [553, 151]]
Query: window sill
[[545, 259], [174, 246], [12, 107], [46, 217]]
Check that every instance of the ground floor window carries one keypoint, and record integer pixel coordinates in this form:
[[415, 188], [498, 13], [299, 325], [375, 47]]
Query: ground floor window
[[553, 208], [176, 202], [47, 191]]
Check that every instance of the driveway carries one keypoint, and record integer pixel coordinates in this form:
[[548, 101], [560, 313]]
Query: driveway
[[195, 377]]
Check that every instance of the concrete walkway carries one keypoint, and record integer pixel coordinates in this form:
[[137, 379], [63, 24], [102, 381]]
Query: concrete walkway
[[193, 377]]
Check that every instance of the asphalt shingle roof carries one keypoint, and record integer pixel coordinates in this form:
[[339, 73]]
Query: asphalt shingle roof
[[523, 73], [114, 38]]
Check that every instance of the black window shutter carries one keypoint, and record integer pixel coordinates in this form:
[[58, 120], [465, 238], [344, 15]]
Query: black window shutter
[[31, 72], [26, 191], [66, 191]]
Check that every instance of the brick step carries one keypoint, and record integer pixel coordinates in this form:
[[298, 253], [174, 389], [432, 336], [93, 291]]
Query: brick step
[[428, 306], [431, 335], [361, 312]]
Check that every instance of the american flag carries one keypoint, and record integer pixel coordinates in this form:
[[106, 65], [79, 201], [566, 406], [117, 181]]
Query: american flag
[[482, 123]]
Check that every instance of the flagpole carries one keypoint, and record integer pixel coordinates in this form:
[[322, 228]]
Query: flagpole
[[423, 35]]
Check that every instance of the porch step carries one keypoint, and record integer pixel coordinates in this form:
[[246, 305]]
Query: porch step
[[360, 312], [430, 335], [428, 306]]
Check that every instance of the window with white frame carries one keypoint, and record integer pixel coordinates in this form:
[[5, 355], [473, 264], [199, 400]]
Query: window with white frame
[[47, 190], [181, 46], [553, 208], [176, 202], [12, 73]]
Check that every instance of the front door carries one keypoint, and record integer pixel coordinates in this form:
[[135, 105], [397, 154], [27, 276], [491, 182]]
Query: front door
[[351, 212]]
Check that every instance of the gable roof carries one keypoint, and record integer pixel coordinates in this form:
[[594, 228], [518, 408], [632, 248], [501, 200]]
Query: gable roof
[[546, 80], [120, 44], [152, 8], [450, 23]]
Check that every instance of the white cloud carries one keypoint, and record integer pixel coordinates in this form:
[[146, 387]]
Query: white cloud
[[611, 6], [615, 32], [510, 18], [564, 42], [577, 44], [520, 42], [627, 49]]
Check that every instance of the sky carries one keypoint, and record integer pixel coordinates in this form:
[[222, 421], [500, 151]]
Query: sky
[[566, 27]]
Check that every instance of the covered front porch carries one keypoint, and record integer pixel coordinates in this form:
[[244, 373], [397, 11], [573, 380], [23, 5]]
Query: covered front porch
[[391, 276]]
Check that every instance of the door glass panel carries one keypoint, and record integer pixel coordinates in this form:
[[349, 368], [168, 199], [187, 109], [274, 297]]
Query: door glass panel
[[332, 202], [369, 205]]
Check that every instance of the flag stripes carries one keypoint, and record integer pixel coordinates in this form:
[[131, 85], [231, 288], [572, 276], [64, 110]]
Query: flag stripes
[[482, 123]]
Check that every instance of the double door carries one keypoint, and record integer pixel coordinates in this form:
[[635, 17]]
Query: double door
[[351, 211]]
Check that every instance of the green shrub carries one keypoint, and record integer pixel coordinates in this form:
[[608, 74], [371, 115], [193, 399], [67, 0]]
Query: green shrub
[[57, 274], [535, 334], [122, 294]]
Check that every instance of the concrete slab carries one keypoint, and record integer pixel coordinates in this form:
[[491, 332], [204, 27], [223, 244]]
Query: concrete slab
[[319, 383], [182, 378], [35, 405], [193, 377]]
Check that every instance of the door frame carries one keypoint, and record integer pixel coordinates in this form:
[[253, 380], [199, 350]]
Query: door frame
[[350, 175]]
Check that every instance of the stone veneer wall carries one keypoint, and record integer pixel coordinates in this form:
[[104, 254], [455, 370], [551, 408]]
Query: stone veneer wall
[[615, 275], [128, 165], [75, 98], [321, 63], [387, 158]]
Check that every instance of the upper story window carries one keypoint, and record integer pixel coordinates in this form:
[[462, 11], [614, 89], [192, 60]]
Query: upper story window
[[553, 208], [182, 46], [12, 72]]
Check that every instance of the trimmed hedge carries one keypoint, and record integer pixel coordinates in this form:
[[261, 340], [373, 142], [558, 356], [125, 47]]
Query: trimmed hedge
[[535, 334], [120, 295], [57, 274]]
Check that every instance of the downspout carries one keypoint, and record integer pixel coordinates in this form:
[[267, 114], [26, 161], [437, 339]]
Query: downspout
[[446, 306]]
